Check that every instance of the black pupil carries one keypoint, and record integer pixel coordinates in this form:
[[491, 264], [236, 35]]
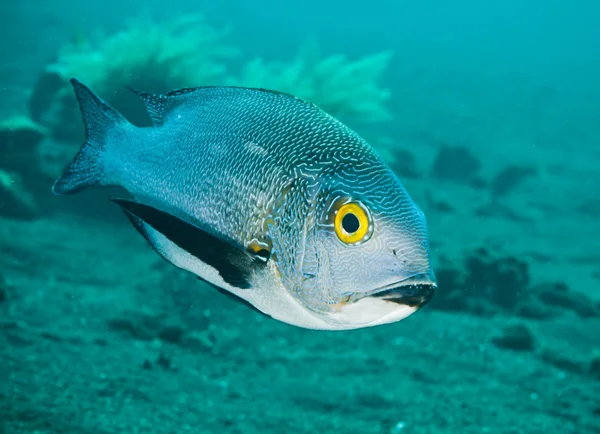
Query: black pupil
[[350, 223]]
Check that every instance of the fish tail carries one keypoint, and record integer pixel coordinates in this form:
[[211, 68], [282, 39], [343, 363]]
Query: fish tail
[[100, 119]]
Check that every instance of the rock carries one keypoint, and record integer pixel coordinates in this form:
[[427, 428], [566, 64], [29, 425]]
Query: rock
[[53, 105], [509, 179], [19, 136], [146, 327], [198, 341], [482, 307], [165, 361], [15, 200], [128, 326], [498, 210], [562, 362], [18, 339], [171, 333], [534, 309], [590, 207], [594, 367], [19, 145], [457, 164], [559, 295], [450, 300], [450, 295], [502, 281], [515, 337], [3, 289], [137, 325], [9, 325], [439, 205], [404, 163], [21, 141], [47, 87]]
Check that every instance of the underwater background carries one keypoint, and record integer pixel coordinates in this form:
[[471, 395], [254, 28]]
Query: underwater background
[[488, 112]]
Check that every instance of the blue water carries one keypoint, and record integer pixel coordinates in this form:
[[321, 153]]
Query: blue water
[[493, 128]]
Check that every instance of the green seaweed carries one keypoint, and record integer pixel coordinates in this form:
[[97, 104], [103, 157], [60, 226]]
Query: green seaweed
[[155, 57], [343, 87], [189, 52]]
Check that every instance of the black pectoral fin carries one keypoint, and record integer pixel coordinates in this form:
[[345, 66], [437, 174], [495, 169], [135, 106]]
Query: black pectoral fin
[[234, 264]]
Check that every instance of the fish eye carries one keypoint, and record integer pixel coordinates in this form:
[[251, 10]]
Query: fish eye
[[353, 223]]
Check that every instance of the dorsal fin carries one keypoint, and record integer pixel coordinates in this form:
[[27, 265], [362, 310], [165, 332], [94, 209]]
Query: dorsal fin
[[155, 105], [159, 105]]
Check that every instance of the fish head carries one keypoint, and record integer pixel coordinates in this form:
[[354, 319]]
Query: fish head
[[364, 256]]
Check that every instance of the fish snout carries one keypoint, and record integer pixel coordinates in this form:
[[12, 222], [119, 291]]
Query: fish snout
[[415, 291]]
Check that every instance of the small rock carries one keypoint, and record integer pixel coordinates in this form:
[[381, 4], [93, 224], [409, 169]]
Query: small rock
[[440, 205], [134, 330], [143, 326], [482, 307], [515, 337], [3, 289], [559, 295], [19, 136], [562, 362], [594, 368], [502, 281], [171, 333], [364, 400], [51, 336], [164, 361], [590, 207], [48, 86], [457, 164], [501, 211], [9, 325], [15, 200], [509, 179], [197, 341], [53, 105], [533, 309], [450, 295], [450, 300], [20, 144], [18, 340], [404, 163]]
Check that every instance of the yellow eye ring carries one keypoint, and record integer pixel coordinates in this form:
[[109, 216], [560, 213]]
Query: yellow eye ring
[[353, 223]]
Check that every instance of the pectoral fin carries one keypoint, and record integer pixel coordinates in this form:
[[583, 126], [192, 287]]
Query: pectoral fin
[[179, 242]]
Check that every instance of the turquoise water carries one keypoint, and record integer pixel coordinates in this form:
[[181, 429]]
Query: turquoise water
[[489, 114]]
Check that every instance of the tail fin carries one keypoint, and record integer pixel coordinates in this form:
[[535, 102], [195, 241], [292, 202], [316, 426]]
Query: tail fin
[[99, 118]]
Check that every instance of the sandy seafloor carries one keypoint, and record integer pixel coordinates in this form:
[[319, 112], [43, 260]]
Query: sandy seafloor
[[99, 335]]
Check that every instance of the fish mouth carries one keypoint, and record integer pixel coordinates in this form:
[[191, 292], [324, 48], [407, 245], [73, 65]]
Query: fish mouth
[[414, 292]]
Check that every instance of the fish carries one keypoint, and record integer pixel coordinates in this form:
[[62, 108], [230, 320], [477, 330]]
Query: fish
[[265, 197]]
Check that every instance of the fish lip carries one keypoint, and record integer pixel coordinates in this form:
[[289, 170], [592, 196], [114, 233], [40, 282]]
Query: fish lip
[[415, 291]]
